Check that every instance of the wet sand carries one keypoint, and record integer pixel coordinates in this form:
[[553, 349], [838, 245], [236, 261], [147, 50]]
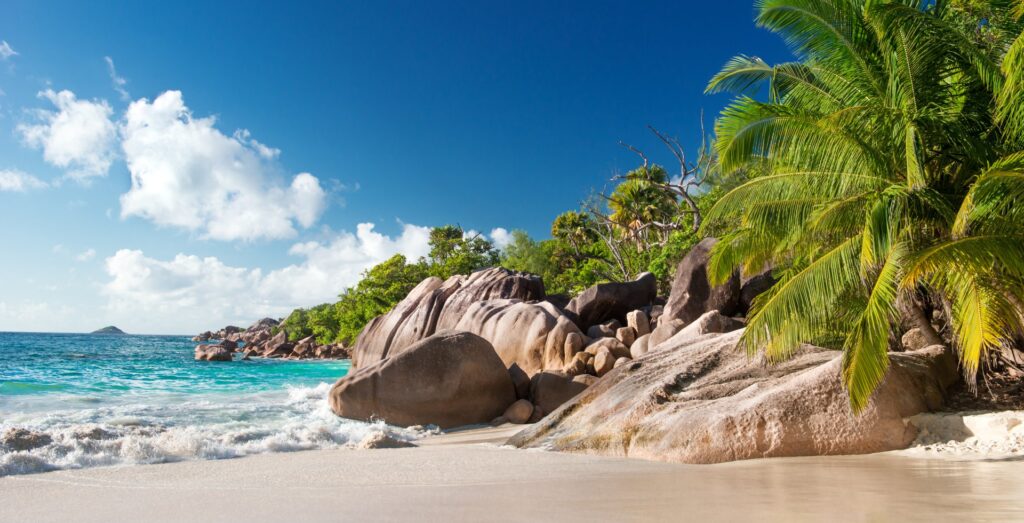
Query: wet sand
[[461, 477]]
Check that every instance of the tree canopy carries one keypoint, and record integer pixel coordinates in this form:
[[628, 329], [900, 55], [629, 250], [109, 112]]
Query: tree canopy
[[885, 175]]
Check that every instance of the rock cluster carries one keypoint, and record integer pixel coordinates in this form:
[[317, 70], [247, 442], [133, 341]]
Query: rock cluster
[[448, 379], [551, 353], [259, 340], [619, 371]]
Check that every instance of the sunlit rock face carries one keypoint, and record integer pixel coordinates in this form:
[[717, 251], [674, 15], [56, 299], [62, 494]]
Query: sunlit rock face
[[703, 400]]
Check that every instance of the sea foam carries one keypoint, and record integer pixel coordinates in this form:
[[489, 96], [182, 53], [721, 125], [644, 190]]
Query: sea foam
[[213, 426]]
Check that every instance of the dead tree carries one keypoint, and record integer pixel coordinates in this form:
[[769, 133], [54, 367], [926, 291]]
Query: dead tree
[[691, 175]]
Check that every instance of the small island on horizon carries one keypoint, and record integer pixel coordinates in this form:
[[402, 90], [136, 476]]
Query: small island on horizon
[[110, 329]]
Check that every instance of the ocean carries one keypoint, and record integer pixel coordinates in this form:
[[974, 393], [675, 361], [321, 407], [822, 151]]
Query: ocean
[[105, 400]]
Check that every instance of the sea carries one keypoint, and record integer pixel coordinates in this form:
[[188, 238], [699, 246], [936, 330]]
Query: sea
[[104, 400]]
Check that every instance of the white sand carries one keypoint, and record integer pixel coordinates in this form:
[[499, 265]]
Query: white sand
[[968, 435], [457, 478]]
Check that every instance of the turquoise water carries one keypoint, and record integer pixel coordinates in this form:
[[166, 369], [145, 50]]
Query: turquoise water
[[111, 400]]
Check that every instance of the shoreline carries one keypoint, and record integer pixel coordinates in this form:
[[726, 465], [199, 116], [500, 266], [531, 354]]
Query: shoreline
[[467, 476]]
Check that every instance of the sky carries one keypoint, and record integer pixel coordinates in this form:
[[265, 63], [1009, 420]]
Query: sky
[[178, 166]]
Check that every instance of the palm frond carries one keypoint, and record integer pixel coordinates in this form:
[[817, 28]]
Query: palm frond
[[797, 307], [866, 356]]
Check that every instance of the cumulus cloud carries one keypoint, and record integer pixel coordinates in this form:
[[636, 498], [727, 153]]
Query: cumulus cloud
[[198, 293], [187, 174], [17, 181], [501, 237], [119, 82], [78, 136], [6, 51], [86, 255]]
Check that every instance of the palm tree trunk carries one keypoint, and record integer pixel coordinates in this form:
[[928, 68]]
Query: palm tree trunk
[[914, 316]]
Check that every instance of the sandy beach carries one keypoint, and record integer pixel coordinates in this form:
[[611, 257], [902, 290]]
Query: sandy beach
[[466, 476]]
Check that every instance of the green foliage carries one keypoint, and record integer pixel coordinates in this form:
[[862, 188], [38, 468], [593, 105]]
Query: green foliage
[[453, 251], [883, 164], [297, 325], [384, 285]]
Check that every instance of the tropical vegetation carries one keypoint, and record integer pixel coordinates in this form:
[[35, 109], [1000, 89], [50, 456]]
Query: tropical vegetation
[[452, 251], [884, 174]]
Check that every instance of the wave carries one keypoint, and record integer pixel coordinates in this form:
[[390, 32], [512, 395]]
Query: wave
[[168, 430]]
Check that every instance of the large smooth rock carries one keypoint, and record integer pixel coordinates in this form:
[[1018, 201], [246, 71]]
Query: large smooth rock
[[489, 284], [639, 347], [753, 286], [663, 332], [708, 323], [550, 390], [692, 295], [435, 305], [707, 402], [212, 353], [411, 320], [604, 362], [448, 379], [608, 301], [519, 412], [534, 336]]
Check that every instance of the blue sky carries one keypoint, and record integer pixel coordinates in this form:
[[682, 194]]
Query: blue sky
[[278, 151]]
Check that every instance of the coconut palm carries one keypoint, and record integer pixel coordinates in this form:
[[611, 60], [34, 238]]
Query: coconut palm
[[639, 202], [885, 175]]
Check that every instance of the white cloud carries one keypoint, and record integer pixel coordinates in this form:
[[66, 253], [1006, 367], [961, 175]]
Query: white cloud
[[6, 51], [190, 293], [86, 255], [187, 174], [17, 181], [501, 237], [78, 136], [118, 81]]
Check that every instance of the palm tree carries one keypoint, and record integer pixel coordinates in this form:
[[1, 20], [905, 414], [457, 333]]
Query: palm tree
[[640, 202], [886, 174]]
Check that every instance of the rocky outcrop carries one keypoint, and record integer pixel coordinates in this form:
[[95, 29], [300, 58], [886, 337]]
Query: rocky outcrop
[[708, 323], [448, 379], [489, 284], [264, 324], [550, 390], [612, 301], [212, 353], [411, 320], [260, 341], [705, 401], [692, 295], [533, 336], [437, 304]]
